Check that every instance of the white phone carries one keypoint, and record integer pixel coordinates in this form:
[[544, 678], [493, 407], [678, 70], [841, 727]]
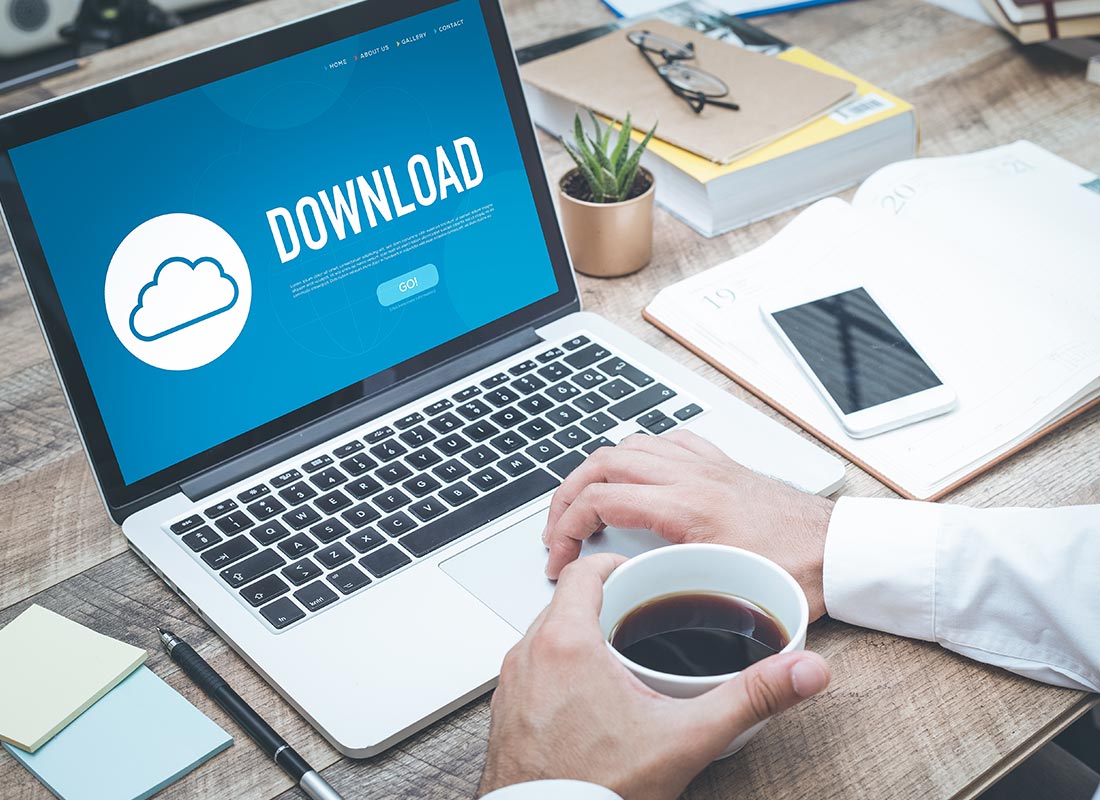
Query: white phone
[[861, 364]]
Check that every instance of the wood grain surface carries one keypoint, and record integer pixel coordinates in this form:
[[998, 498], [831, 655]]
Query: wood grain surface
[[903, 719]]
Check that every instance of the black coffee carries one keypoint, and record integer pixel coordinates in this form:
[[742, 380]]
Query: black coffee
[[698, 634]]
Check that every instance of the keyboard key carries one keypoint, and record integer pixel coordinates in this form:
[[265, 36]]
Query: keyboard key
[[480, 431], [384, 561], [563, 391], [255, 493], [224, 507], [549, 355], [264, 589], [265, 508], [446, 423], [480, 456], [474, 409], [301, 571], [466, 394], [508, 417], [587, 356], [571, 436], [450, 445], [201, 538], [663, 425], [650, 418], [332, 502], [333, 555], [326, 479], [422, 458], [284, 478], [563, 415], [270, 532], [391, 500], [317, 463], [366, 540], [528, 384], [297, 545], [522, 367], [234, 522], [536, 428], [329, 530], [301, 517], [229, 551], [348, 579], [487, 479], [574, 343], [596, 444], [588, 378], [408, 421], [543, 451], [494, 381], [421, 485], [642, 401], [502, 397], [617, 368], [360, 515], [457, 493], [392, 473], [535, 404], [414, 437], [357, 465], [374, 437], [616, 389], [450, 470], [438, 407], [687, 412], [508, 442], [426, 509], [566, 464], [397, 524], [470, 517], [315, 596], [297, 493], [281, 613], [363, 487], [388, 450], [252, 567], [516, 465], [589, 402], [345, 450], [598, 423], [554, 372]]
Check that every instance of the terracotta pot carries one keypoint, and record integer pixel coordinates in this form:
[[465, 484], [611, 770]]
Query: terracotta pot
[[607, 240]]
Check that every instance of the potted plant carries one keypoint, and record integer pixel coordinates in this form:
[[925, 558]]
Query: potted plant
[[607, 201]]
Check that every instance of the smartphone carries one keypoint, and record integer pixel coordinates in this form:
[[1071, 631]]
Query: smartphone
[[861, 364]]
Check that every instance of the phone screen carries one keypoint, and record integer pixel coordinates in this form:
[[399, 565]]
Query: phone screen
[[854, 349]]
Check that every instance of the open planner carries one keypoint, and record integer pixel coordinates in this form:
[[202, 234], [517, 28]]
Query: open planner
[[991, 264]]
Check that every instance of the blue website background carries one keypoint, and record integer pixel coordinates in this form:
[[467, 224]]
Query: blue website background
[[236, 148]]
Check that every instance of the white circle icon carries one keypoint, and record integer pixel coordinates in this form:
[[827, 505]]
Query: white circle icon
[[177, 291]]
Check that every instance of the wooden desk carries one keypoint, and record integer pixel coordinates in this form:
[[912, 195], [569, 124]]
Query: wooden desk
[[902, 720]]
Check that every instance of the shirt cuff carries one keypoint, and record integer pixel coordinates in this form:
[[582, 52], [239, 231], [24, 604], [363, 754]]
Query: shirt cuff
[[552, 790], [880, 565]]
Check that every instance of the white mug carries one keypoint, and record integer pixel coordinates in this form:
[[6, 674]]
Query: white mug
[[702, 568]]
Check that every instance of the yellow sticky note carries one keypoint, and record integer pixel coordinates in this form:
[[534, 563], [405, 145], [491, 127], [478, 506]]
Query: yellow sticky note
[[51, 670]]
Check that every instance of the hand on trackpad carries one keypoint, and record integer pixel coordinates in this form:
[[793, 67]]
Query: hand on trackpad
[[507, 571]]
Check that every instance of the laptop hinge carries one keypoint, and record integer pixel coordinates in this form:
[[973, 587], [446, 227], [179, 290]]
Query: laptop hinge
[[260, 458]]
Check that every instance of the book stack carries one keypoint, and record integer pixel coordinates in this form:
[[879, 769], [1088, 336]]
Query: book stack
[[1033, 21], [717, 181]]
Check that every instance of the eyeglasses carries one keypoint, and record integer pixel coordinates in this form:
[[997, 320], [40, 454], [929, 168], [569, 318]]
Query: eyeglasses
[[692, 85]]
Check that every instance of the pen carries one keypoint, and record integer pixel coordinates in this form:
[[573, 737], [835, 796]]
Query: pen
[[269, 741]]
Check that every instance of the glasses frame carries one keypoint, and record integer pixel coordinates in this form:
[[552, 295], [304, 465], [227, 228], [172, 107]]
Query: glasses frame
[[696, 100]]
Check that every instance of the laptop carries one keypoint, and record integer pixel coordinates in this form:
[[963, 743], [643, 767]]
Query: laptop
[[310, 305]]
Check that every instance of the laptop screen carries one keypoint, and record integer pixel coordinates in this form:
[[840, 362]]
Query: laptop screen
[[234, 252]]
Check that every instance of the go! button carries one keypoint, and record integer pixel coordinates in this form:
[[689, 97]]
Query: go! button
[[405, 286]]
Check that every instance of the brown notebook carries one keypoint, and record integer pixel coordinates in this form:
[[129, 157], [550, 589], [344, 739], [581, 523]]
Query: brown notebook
[[610, 76]]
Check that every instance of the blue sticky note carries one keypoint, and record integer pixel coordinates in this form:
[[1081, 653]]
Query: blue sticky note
[[137, 739]]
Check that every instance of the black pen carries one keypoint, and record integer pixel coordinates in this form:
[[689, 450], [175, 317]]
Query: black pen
[[270, 742]]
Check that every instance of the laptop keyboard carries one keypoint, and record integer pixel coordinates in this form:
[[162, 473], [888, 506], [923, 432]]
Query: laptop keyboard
[[310, 535]]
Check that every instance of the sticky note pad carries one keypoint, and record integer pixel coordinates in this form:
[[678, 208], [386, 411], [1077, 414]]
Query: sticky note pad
[[51, 670], [140, 737]]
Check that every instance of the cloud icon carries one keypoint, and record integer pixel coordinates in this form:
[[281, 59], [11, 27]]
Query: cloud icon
[[182, 293]]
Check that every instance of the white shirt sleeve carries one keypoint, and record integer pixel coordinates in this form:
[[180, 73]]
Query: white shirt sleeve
[[1012, 587], [553, 790]]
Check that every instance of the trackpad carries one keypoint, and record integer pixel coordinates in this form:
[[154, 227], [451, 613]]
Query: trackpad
[[507, 571]]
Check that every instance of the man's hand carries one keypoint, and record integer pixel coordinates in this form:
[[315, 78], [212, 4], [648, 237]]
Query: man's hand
[[687, 490], [566, 708]]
